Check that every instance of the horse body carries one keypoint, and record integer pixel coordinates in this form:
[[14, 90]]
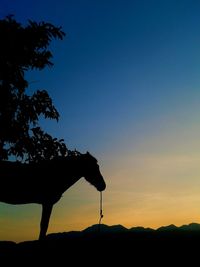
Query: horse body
[[46, 181], [35, 183]]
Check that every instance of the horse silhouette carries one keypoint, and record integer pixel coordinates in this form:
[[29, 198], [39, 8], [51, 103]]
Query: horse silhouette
[[45, 182]]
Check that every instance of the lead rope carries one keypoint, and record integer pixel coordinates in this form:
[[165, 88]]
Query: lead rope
[[101, 209]]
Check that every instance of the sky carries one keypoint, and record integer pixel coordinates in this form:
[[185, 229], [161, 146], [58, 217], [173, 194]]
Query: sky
[[126, 82]]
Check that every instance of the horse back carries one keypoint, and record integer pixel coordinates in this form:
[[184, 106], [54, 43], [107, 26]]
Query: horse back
[[22, 183]]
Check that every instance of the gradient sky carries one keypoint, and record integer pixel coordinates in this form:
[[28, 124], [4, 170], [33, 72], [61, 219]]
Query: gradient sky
[[126, 82]]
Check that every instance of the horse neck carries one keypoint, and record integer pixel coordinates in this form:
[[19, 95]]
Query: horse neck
[[73, 172]]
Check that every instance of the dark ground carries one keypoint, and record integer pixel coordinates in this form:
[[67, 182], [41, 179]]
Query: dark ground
[[91, 249]]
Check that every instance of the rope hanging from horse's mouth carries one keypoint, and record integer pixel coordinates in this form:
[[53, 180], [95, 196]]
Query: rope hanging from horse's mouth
[[101, 208]]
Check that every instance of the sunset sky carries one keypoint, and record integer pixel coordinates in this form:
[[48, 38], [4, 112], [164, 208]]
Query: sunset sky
[[126, 82]]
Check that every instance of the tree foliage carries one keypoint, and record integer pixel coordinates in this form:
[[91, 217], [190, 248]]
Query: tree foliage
[[22, 49]]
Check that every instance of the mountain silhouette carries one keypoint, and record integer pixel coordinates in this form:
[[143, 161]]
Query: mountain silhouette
[[141, 229], [115, 243], [105, 228], [112, 229], [170, 227], [120, 228], [190, 227]]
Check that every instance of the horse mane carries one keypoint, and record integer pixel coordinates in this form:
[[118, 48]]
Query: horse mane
[[71, 158], [75, 155]]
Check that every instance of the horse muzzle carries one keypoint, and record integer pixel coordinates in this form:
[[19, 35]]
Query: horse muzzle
[[102, 187]]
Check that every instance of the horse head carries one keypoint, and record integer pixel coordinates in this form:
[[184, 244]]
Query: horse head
[[92, 172]]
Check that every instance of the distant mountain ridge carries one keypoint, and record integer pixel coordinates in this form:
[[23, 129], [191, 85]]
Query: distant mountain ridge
[[103, 228], [103, 243], [121, 228]]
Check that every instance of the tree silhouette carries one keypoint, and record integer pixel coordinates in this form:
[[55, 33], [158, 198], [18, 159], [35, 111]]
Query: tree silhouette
[[22, 49]]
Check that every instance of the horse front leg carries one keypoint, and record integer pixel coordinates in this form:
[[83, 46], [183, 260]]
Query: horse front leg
[[46, 213]]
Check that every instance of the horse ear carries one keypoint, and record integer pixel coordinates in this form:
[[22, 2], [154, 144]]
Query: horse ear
[[87, 153]]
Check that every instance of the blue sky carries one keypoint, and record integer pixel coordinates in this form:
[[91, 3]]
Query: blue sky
[[126, 82], [120, 64]]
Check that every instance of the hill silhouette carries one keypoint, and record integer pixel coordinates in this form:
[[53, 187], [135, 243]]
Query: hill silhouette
[[111, 229], [99, 244], [105, 228]]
